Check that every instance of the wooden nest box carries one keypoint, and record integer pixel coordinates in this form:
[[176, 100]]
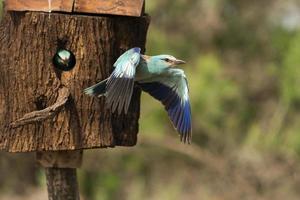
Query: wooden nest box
[[43, 108]]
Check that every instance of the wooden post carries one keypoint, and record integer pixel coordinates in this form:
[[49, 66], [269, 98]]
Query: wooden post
[[62, 184], [60, 168], [43, 109]]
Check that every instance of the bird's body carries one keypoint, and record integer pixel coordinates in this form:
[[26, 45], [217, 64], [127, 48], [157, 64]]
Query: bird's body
[[155, 75]]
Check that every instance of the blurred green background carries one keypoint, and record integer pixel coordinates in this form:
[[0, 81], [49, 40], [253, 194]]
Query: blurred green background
[[244, 75]]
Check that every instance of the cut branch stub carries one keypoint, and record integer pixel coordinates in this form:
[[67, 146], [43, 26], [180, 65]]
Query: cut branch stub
[[47, 113], [44, 109]]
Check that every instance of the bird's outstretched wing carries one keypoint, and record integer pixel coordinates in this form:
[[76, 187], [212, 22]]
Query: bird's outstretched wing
[[171, 88], [120, 83]]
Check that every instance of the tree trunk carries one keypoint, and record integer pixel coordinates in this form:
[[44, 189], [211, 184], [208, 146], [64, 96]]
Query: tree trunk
[[30, 85]]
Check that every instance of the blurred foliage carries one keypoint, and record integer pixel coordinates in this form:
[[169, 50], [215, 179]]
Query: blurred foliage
[[244, 76], [242, 67], [290, 72]]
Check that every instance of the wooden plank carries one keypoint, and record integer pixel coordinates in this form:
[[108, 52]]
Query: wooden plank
[[39, 5], [115, 7]]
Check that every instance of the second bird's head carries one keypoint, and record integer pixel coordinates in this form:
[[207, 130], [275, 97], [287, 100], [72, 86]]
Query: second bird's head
[[64, 60], [168, 60]]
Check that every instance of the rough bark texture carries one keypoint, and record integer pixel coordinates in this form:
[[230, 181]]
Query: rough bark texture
[[62, 184], [29, 82], [47, 113]]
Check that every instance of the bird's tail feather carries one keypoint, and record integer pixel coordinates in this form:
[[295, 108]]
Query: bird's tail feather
[[98, 89]]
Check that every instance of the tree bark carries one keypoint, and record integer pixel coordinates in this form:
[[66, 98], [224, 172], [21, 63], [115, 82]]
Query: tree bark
[[30, 85], [62, 184]]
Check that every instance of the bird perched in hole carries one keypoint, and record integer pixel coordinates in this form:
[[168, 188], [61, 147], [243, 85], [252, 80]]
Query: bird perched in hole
[[64, 60], [155, 75]]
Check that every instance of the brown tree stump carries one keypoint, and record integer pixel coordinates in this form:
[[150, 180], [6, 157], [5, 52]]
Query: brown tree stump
[[64, 118]]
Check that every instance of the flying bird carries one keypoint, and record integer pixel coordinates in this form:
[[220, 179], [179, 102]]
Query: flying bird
[[155, 75]]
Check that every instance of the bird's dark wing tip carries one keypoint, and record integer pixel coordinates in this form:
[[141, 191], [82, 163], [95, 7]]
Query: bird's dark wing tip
[[186, 138]]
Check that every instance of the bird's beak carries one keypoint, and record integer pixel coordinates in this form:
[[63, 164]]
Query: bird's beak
[[179, 62], [65, 61]]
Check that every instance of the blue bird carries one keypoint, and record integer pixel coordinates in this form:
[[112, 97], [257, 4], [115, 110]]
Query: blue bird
[[155, 75]]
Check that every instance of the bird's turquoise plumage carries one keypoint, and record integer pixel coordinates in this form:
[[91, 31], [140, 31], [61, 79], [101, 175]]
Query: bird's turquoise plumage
[[155, 75]]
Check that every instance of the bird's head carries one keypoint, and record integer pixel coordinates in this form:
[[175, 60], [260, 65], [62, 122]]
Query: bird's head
[[167, 60]]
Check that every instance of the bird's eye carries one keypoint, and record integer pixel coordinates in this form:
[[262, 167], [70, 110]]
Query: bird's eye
[[167, 59]]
